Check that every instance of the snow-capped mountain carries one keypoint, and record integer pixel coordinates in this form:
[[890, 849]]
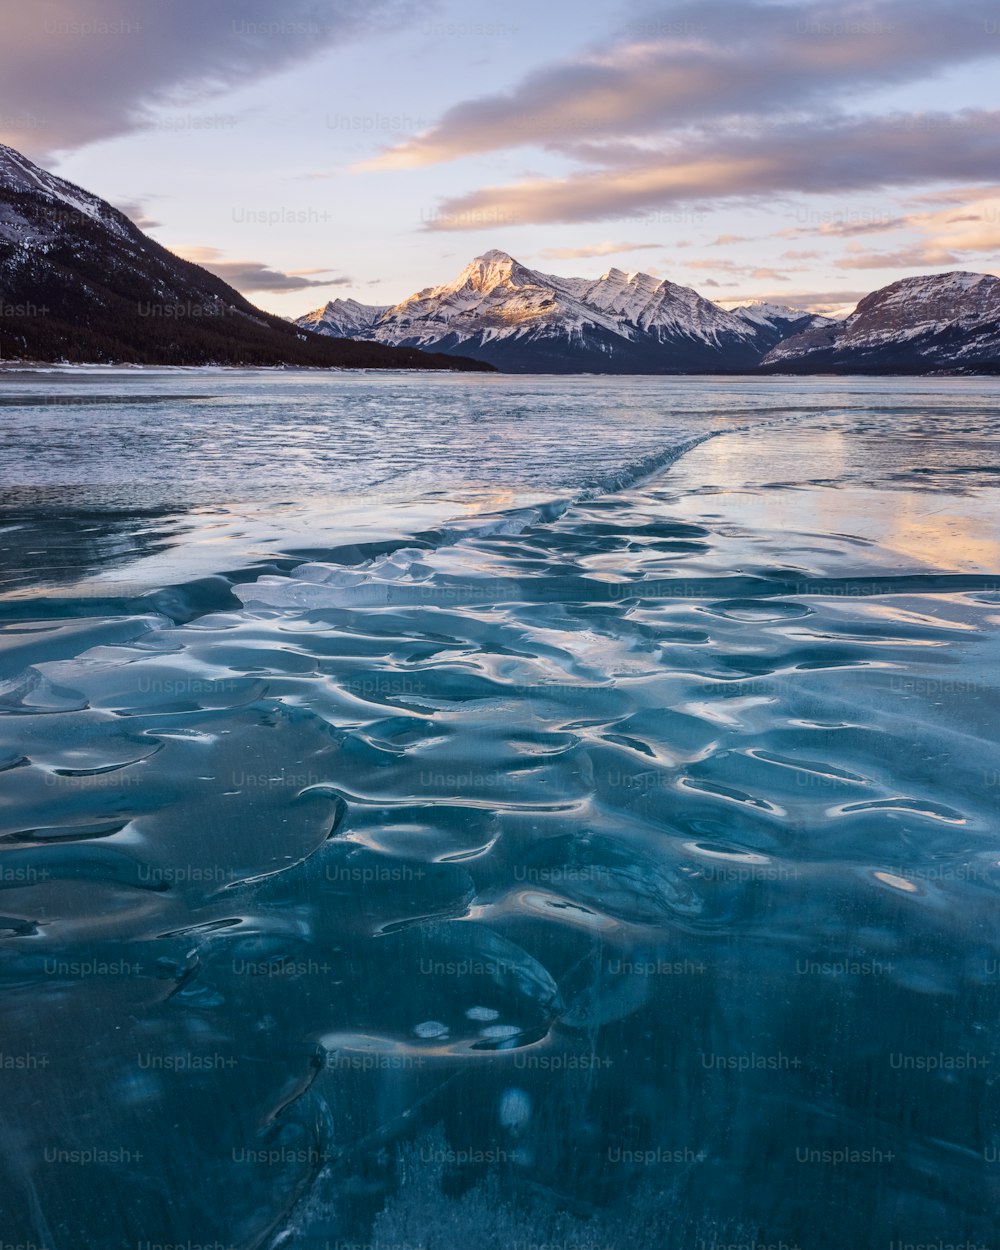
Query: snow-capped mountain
[[79, 281], [779, 317], [939, 321], [521, 320], [343, 318], [20, 225]]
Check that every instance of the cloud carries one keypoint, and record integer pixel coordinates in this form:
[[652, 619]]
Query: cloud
[[947, 236], [137, 213], [742, 271], [75, 71], [711, 59], [953, 195], [252, 275], [973, 229], [596, 249], [838, 156], [824, 303], [967, 227], [853, 223], [918, 257]]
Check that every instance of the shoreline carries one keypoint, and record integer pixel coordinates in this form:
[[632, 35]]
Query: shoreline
[[45, 368]]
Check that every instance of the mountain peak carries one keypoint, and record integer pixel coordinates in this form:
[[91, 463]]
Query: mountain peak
[[621, 322], [928, 321], [494, 268], [935, 297], [495, 257], [343, 317]]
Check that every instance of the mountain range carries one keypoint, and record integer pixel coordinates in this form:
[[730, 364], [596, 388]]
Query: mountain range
[[79, 281], [520, 320], [500, 311]]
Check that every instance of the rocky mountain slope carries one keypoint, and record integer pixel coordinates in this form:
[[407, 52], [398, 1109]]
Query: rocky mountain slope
[[80, 282], [941, 321]]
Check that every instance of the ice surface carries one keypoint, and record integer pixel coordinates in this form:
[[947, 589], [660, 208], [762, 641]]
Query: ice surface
[[552, 872]]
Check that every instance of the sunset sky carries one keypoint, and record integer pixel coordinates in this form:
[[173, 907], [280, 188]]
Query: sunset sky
[[807, 153]]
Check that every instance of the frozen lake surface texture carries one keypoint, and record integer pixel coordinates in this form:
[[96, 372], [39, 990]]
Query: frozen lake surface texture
[[463, 811]]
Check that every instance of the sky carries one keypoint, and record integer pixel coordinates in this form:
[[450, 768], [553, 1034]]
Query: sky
[[307, 150]]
